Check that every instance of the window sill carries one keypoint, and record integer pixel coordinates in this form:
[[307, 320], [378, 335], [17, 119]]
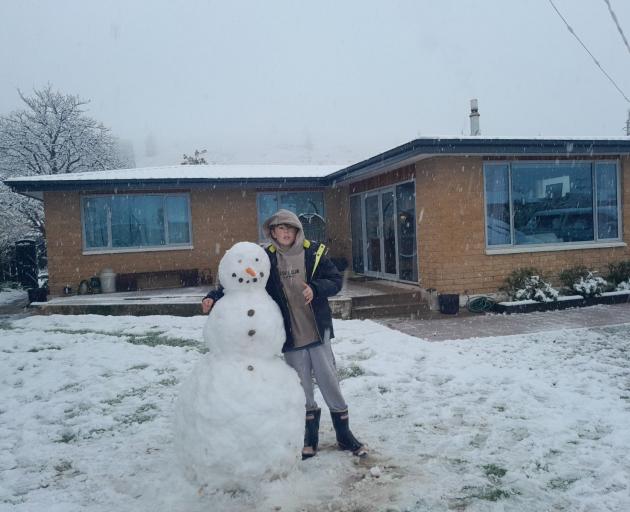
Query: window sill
[[555, 247], [139, 249]]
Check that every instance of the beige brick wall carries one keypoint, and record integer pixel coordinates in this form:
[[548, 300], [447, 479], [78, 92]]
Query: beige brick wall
[[451, 232], [338, 237], [220, 218]]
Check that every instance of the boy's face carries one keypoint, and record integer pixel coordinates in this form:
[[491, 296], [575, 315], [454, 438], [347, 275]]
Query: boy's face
[[284, 234]]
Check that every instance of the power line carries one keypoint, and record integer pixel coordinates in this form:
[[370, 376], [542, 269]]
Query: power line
[[614, 17], [589, 52]]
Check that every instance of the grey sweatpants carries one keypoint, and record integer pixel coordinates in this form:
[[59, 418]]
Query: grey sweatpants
[[319, 362]]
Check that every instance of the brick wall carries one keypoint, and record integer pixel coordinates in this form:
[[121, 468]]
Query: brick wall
[[220, 219], [451, 232]]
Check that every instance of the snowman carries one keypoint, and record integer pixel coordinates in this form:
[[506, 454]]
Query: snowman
[[239, 418]]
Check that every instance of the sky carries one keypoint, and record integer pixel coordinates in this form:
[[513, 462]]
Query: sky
[[290, 81]]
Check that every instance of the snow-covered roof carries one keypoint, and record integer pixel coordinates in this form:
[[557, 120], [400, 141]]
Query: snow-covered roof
[[191, 172]]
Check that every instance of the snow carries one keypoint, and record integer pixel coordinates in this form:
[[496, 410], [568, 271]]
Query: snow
[[10, 296], [192, 172], [510, 423]]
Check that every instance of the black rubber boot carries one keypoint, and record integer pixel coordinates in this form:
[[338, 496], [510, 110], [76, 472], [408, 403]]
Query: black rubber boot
[[345, 439], [311, 433]]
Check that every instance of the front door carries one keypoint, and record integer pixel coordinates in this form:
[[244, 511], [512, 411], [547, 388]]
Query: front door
[[380, 231]]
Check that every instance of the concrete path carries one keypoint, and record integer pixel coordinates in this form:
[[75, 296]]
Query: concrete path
[[437, 327]]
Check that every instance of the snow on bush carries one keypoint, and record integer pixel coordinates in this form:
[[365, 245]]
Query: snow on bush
[[590, 285], [534, 288], [623, 286]]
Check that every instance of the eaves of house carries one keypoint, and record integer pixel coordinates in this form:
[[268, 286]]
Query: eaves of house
[[307, 176]]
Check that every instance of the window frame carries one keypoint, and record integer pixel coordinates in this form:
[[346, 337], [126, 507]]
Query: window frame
[[563, 246], [109, 249]]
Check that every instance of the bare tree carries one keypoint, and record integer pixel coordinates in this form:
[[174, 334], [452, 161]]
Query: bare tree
[[51, 135], [197, 159]]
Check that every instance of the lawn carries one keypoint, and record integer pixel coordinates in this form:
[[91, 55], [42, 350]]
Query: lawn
[[522, 423]]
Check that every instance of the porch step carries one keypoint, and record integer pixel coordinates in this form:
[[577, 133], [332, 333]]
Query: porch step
[[387, 299], [392, 310]]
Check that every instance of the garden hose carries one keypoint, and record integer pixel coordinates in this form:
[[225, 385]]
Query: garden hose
[[480, 304]]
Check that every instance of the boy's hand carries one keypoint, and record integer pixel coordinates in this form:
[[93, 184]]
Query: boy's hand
[[308, 293], [206, 305]]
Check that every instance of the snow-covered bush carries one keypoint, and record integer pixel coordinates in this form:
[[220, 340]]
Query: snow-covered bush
[[527, 284], [583, 281], [591, 285], [535, 288], [619, 272], [623, 286]]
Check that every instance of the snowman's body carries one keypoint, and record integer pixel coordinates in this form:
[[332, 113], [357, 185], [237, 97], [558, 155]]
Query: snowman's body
[[240, 415]]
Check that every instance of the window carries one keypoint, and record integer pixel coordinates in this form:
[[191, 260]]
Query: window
[[539, 203], [135, 221], [308, 206]]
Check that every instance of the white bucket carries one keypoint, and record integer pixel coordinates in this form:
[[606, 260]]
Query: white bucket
[[108, 281]]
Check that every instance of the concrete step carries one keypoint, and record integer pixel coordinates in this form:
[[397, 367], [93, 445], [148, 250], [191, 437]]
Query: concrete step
[[393, 310], [386, 299]]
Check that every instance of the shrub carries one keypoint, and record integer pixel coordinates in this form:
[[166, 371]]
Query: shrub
[[517, 278], [619, 272], [572, 275], [534, 288], [583, 281], [623, 286]]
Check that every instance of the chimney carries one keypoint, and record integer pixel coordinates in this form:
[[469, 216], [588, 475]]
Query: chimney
[[474, 117]]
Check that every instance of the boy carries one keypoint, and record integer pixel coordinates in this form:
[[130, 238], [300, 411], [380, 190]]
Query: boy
[[301, 280]]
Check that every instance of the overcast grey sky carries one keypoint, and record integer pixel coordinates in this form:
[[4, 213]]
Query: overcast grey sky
[[325, 81]]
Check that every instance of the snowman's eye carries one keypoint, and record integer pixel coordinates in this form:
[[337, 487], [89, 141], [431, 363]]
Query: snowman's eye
[[257, 259], [262, 275], [240, 261]]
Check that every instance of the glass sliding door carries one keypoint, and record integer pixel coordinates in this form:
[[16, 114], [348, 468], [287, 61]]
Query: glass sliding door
[[373, 233], [406, 220], [389, 232], [383, 227]]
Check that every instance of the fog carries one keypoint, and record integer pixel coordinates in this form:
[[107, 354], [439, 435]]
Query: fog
[[320, 82]]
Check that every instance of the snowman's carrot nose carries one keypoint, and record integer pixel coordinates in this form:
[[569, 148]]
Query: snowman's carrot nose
[[250, 271]]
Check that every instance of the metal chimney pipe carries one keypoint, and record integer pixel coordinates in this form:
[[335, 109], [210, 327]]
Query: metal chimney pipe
[[474, 117]]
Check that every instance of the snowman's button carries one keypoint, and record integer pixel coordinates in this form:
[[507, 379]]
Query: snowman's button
[[250, 368], [250, 312], [252, 332]]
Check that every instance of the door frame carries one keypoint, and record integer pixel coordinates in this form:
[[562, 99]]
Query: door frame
[[378, 191], [381, 236]]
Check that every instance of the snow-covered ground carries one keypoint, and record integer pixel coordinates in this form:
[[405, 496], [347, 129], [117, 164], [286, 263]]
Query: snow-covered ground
[[531, 422], [8, 296]]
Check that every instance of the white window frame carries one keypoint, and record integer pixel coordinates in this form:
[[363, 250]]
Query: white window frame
[[144, 248], [512, 248]]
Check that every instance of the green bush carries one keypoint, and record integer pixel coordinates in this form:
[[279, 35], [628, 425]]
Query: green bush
[[527, 284], [572, 275], [517, 279], [618, 272]]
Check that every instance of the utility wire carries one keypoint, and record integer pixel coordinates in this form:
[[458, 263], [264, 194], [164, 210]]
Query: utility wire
[[588, 51], [614, 17]]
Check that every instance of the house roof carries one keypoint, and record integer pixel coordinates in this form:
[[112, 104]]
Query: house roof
[[322, 175]]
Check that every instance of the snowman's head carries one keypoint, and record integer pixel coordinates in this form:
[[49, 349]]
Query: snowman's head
[[243, 267]]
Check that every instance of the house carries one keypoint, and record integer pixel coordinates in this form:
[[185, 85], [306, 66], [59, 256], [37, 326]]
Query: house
[[453, 214]]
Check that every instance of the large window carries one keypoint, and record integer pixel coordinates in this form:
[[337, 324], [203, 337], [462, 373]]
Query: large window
[[308, 206], [135, 221], [542, 203]]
